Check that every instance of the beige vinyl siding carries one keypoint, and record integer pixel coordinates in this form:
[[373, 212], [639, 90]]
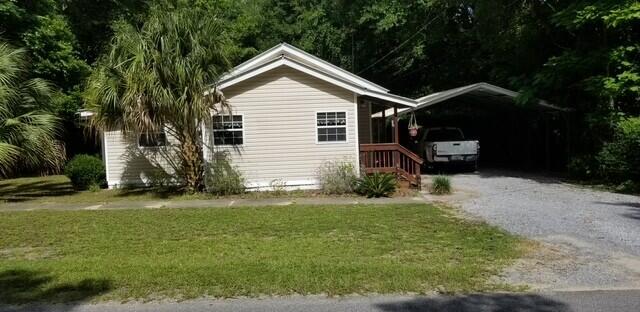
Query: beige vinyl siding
[[129, 164], [364, 123], [279, 111]]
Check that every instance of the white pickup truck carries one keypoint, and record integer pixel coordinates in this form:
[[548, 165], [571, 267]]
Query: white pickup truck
[[447, 145]]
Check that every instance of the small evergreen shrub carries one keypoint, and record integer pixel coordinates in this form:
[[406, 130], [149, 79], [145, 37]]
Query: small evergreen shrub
[[377, 185], [86, 171], [440, 185], [337, 177], [223, 178]]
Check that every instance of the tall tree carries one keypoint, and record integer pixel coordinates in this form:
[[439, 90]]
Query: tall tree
[[161, 76], [28, 132]]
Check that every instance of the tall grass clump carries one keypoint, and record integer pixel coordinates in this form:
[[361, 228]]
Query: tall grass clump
[[337, 177], [440, 185], [223, 178]]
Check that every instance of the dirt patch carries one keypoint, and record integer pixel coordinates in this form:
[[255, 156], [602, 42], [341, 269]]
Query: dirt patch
[[568, 266], [27, 253]]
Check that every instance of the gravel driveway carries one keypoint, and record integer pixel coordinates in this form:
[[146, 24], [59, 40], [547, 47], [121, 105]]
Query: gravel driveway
[[589, 239]]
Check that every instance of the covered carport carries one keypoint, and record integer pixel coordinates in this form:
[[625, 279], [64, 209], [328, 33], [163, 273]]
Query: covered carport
[[512, 135]]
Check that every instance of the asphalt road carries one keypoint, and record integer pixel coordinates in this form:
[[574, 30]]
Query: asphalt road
[[592, 301]]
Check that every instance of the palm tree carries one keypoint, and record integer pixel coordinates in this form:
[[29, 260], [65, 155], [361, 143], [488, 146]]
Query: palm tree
[[159, 76], [28, 130]]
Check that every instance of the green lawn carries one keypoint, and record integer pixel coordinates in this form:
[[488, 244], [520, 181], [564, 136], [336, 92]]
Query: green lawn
[[187, 253], [58, 189]]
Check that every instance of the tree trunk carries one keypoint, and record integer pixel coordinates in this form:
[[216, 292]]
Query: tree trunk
[[192, 164]]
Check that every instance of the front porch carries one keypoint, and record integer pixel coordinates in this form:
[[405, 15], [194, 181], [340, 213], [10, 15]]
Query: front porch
[[380, 149]]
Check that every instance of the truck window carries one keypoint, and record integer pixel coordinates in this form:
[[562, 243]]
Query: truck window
[[440, 135]]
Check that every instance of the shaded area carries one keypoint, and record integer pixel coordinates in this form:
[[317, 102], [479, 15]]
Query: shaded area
[[511, 135], [59, 189], [24, 189], [479, 303], [490, 173], [25, 286], [632, 213]]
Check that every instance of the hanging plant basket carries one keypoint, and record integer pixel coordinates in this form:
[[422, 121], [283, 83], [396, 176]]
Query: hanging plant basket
[[413, 126]]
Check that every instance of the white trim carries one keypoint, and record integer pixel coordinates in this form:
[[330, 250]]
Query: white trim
[[105, 157], [357, 127], [213, 139], [263, 185], [284, 61], [231, 80], [285, 49], [445, 95], [346, 127], [205, 145]]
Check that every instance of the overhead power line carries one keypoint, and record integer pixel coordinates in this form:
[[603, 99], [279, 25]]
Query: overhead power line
[[400, 45]]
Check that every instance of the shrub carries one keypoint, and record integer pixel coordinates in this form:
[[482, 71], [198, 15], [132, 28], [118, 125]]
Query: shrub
[[337, 177], [278, 187], [620, 158], [440, 185], [161, 181], [377, 185], [223, 178], [583, 167], [86, 171]]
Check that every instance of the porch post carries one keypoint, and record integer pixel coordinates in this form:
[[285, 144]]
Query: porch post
[[396, 133], [383, 129], [396, 139]]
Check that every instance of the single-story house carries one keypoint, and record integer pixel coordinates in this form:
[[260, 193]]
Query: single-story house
[[290, 113]]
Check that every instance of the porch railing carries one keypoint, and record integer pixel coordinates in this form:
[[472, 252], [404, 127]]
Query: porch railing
[[391, 158]]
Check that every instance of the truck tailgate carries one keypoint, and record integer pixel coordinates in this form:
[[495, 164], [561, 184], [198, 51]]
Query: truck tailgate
[[456, 148]]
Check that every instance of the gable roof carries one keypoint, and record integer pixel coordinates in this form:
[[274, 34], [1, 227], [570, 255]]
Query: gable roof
[[287, 55]]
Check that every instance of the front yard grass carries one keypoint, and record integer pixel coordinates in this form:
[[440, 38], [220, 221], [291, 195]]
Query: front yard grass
[[57, 189], [226, 252]]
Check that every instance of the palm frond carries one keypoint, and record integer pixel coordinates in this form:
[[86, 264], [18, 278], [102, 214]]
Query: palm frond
[[27, 130]]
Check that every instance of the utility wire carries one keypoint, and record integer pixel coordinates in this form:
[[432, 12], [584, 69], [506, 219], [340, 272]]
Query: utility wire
[[399, 46]]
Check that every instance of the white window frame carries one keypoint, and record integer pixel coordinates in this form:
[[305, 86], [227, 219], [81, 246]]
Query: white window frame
[[346, 128], [213, 131], [166, 140]]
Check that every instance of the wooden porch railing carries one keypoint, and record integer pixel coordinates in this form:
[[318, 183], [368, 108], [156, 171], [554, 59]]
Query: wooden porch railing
[[391, 158]]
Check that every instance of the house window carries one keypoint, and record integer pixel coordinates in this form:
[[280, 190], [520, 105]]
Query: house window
[[227, 130], [332, 126], [152, 139]]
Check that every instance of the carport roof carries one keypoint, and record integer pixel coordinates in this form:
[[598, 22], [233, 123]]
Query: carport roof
[[482, 90]]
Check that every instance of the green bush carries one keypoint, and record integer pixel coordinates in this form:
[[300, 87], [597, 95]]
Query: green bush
[[223, 178], [583, 167], [377, 185], [440, 185], [337, 177], [620, 159], [86, 171]]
